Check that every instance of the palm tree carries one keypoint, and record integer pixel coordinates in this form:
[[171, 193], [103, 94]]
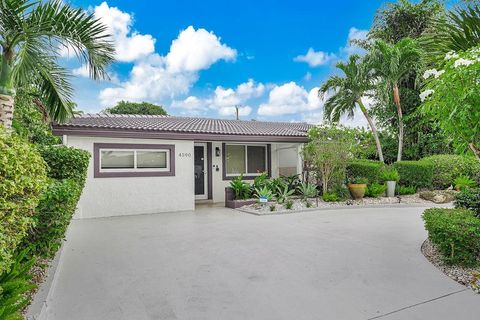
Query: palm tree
[[31, 33], [348, 92], [458, 31], [393, 63]]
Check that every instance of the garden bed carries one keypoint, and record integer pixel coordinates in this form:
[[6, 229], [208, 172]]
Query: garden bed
[[300, 205], [462, 275]]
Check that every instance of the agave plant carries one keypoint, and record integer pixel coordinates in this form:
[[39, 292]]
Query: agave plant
[[264, 192], [308, 190], [284, 193]]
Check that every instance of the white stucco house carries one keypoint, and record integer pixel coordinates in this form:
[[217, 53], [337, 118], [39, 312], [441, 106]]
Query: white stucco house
[[150, 164]]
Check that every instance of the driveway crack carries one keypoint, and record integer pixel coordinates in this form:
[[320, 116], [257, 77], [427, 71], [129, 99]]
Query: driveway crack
[[417, 304]]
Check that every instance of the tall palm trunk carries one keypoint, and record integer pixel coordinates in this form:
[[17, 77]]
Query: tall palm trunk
[[396, 100], [6, 110], [6, 90], [373, 128]]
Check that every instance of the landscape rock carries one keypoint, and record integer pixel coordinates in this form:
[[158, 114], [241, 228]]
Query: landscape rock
[[438, 196]]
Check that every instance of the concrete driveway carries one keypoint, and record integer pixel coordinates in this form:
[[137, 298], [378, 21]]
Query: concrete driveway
[[221, 264]]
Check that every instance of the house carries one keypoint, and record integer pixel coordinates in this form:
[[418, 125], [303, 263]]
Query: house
[[148, 164]]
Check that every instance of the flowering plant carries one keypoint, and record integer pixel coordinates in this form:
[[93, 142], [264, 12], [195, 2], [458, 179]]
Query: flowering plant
[[452, 97]]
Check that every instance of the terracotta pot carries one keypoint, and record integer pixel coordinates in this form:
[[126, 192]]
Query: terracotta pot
[[357, 190]]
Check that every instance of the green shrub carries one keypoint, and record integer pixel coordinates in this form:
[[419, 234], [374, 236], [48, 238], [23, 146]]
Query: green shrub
[[292, 182], [358, 180], [272, 207], [447, 167], [468, 198], [390, 174], [375, 190], [463, 182], [404, 190], [330, 197], [289, 204], [66, 162], [53, 214], [365, 168], [418, 174], [241, 188], [22, 178], [14, 284], [456, 233]]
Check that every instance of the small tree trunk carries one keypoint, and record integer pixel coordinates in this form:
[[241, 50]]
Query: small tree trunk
[[6, 110], [373, 128], [396, 100], [475, 150]]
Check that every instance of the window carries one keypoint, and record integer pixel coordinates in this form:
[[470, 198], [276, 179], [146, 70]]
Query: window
[[133, 160], [249, 160]]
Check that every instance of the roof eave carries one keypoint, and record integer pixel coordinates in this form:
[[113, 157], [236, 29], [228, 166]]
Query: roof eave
[[143, 134]]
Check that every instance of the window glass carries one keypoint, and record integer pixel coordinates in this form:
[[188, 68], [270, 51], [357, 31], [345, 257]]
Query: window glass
[[235, 159], [151, 159], [117, 160], [256, 159]]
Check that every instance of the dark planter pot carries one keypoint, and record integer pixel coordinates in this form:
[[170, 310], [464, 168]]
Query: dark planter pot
[[230, 201], [357, 191]]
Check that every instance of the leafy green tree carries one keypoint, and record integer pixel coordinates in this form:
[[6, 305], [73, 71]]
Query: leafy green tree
[[452, 97], [458, 31], [31, 33], [404, 19], [392, 64], [126, 107], [349, 92], [327, 153]]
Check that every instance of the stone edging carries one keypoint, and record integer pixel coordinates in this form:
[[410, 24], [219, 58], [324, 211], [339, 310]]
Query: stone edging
[[386, 205], [38, 309]]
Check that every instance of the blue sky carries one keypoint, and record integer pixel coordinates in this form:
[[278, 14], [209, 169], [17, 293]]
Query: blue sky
[[203, 57]]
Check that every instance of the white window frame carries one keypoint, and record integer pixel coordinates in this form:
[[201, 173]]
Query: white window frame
[[246, 159], [134, 169]]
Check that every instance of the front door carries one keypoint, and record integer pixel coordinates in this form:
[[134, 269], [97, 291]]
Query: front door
[[200, 158]]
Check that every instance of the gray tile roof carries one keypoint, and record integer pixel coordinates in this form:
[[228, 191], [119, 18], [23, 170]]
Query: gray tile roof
[[186, 125]]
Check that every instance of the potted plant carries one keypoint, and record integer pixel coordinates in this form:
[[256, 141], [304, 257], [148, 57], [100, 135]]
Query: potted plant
[[357, 187], [391, 177]]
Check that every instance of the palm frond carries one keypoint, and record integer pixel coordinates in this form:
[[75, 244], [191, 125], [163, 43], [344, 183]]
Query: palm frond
[[459, 31], [77, 29]]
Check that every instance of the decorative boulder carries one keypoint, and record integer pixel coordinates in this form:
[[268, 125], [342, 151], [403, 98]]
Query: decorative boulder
[[438, 196]]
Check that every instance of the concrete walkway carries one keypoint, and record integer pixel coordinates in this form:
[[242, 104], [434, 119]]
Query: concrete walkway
[[222, 264]]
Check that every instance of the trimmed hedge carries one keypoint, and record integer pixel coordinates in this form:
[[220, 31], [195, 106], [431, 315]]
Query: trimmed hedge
[[448, 167], [369, 169], [469, 198], [415, 173], [22, 179], [53, 215], [456, 233], [66, 162], [68, 171]]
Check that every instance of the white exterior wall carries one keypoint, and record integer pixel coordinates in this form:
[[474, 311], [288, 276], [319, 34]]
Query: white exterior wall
[[103, 197], [279, 150]]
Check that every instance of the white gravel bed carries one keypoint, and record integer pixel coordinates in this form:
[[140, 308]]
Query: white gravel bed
[[462, 275], [300, 205]]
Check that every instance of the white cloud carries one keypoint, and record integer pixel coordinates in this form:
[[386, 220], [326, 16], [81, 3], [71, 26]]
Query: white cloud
[[196, 50], [82, 71], [315, 58], [290, 98], [223, 100], [157, 77], [191, 104], [354, 34], [129, 45]]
